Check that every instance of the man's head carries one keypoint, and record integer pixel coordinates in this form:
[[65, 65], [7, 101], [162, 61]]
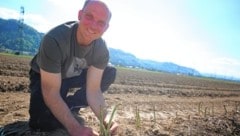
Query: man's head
[[94, 21]]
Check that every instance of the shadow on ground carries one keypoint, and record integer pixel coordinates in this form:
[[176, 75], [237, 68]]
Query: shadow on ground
[[21, 128]]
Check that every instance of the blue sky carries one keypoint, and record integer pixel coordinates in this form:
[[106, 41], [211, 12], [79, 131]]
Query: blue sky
[[201, 34]]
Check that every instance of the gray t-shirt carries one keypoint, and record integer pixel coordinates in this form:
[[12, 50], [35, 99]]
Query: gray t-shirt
[[59, 52]]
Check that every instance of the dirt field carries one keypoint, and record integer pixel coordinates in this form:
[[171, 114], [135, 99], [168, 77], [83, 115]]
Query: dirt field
[[149, 103]]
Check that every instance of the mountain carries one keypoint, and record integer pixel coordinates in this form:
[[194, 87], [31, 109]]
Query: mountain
[[121, 58], [21, 38], [18, 37]]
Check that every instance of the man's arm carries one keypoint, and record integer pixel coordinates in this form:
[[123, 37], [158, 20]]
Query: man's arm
[[94, 94], [51, 84], [95, 97]]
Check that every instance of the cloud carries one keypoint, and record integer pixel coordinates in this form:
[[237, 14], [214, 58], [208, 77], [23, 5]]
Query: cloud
[[38, 22], [64, 10], [219, 66], [6, 13], [34, 20], [227, 66], [66, 3]]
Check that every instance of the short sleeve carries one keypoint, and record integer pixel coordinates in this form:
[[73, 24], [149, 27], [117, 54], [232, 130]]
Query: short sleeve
[[50, 55], [101, 55]]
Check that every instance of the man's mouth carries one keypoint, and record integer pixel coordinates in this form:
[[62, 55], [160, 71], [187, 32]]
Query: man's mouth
[[89, 32]]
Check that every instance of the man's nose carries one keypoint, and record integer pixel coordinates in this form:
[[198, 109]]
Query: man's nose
[[94, 24]]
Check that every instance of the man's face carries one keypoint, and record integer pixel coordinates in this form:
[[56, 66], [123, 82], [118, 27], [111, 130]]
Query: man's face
[[94, 21]]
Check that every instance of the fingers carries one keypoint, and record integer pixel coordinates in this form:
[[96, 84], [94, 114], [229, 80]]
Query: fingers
[[114, 128], [95, 133]]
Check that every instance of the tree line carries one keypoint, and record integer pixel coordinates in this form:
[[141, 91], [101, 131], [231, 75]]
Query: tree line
[[16, 39]]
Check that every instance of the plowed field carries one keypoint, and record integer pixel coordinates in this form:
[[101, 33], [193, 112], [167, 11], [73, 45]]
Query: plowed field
[[149, 103]]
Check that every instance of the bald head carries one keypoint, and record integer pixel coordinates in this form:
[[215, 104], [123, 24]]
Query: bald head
[[87, 2]]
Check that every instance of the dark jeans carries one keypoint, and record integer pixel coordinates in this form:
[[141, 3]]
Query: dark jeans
[[41, 116]]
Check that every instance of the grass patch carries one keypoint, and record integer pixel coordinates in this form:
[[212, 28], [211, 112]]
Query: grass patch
[[13, 55]]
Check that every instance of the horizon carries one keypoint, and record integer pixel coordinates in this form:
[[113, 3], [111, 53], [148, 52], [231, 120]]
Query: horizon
[[203, 35]]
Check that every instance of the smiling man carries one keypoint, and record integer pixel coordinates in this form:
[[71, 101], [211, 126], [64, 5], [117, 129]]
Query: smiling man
[[72, 55]]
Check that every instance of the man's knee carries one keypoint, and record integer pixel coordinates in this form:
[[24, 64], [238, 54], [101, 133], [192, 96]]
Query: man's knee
[[108, 78]]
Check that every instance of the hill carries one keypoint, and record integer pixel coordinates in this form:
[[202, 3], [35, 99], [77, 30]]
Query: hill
[[119, 57], [26, 40], [20, 40]]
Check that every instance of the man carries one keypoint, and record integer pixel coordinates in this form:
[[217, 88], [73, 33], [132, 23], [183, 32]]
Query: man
[[72, 55]]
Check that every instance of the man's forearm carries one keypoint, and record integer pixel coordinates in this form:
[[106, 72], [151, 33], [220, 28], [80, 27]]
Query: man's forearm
[[60, 110], [97, 103]]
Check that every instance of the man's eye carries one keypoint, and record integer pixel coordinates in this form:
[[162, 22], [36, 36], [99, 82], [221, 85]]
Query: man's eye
[[88, 17], [101, 24]]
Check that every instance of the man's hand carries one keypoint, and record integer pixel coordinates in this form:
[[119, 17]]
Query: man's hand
[[83, 131], [113, 127]]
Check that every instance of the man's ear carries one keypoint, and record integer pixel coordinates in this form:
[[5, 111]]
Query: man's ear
[[106, 27], [80, 12]]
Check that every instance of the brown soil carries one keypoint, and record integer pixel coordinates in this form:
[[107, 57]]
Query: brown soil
[[168, 104]]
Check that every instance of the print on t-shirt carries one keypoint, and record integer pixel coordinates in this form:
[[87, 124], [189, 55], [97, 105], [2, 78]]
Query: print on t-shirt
[[76, 67]]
